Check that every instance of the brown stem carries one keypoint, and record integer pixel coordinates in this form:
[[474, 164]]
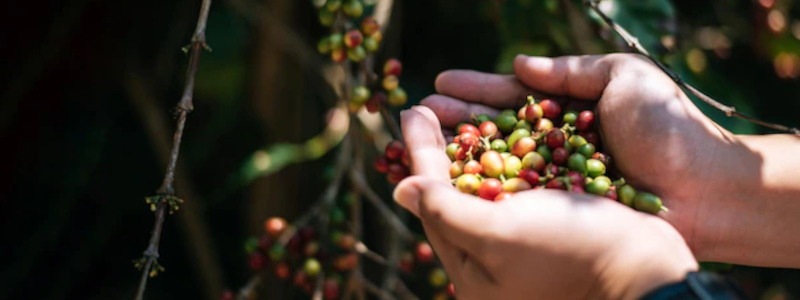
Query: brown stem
[[634, 44], [246, 291], [360, 182], [184, 107]]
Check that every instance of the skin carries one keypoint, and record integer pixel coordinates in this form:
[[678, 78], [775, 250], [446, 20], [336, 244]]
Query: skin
[[733, 198]]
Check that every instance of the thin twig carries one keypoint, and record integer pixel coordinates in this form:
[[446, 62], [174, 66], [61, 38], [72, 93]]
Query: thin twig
[[317, 295], [247, 291], [166, 191], [634, 44], [360, 182], [375, 290], [403, 290], [362, 249]]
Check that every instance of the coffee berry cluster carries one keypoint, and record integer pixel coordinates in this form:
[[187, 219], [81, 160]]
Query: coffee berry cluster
[[353, 38], [394, 162], [538, 147]]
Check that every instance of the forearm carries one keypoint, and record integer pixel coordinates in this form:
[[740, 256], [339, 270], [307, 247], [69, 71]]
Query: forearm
[[758, 215]]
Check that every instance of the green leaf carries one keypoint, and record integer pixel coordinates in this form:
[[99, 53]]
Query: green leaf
[[648, 20]]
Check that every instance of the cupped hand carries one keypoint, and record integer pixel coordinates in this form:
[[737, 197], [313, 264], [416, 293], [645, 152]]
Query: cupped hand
[[660, 141], [543, 244]]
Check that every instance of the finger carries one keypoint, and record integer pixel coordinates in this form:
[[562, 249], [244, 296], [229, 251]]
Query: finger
[[502, 91], [425, 144], [583, 77], [434, 122], [451, 111], [465, 221]]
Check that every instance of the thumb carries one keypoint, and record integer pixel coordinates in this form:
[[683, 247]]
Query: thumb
[[464, 220]]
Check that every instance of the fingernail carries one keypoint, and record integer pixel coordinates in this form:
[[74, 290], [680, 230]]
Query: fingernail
[[521, 56]]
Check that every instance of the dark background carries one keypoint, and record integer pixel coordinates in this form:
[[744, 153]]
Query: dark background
[[87, 86]]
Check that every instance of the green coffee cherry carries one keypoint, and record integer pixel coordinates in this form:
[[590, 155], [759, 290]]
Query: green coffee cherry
[[577, 162], [499, 145], [647, 202], [626, 193], [595, 167], [597, 187]]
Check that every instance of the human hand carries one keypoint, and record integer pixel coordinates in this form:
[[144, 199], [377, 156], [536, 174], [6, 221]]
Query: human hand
[[661, 141], [542, 244]]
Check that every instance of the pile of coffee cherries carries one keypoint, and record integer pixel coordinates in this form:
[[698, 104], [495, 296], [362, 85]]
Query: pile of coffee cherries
[[354, 45], [394, 162], [538, 147]]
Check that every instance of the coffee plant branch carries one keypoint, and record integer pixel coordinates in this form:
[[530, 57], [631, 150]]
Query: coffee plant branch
[[634, 44], [165, 198]]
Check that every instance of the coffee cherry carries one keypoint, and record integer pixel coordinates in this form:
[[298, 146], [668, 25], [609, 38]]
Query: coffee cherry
[[381, 164], [324, 45], [611, 194], [451, 290], [521, 113], [585, 120], [523, 146], [576, 141], [591, 137], [398, 97], [577, 162], [424, 252], [353, 38], [370, 44], [394, 150], [499, 145], [560, 156], [300, 278], [516, 135], [333, 5], [274, 226], [577, 189], [339, 55], [544, 125], [595, 167], [473, 167], [490, 188], [451, 150], [516, 184], [461, 153], [396, 173], [375, 102], [530, 176], [544, 151], [482, 118], [467, 183], [257, 261], [554, 138], [468, 140], [626, 194], [570, 117], [390, 83], [437, 278], [330, 289], [551, 109], [647, 202], [488, 129], [378, 37], [503, 196], [392, 67], [369, 25], [357, 54], [506, 122], [282, 270], [353, 8], [456, 168], [492, 163], [533, 113], [469, 128], [512, 165], [534, 161], [552, 169], [576, 178], [360, 95], [556, 184], [586, 150], [522, 124], [312, 267], [597, 187]]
